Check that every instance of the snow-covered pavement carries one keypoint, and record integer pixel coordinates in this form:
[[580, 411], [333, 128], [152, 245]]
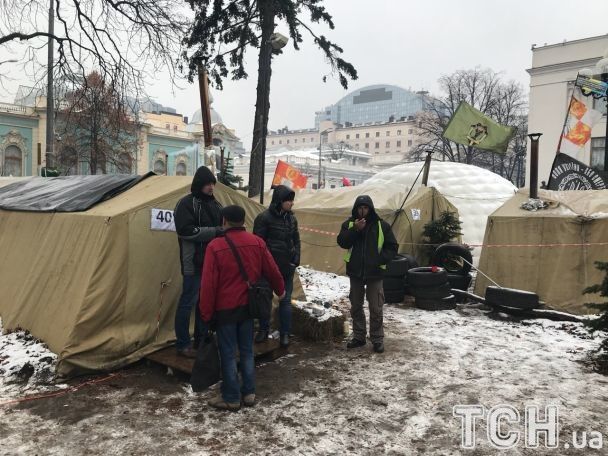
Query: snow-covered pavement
[[324, 399]]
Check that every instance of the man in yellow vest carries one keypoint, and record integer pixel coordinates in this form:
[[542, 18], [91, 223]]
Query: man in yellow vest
[[371, 244]]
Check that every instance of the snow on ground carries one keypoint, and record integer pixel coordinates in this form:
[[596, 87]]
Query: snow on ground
[[26, 364], [324, 399]]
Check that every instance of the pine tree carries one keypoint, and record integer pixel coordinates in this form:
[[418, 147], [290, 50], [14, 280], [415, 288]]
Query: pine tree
[[227, 176], [444, 229], [224, 29], [600, 323]]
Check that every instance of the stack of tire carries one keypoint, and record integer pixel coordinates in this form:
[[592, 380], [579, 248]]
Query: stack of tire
[[395, 282], [431, 288], [456, 259]]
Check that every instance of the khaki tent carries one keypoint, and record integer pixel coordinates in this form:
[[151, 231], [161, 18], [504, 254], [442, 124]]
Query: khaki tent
[[320, 216], [99, 287], [542, 252]]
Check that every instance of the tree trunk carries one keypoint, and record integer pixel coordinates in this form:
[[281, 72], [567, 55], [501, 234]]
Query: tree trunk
[[262, 104]]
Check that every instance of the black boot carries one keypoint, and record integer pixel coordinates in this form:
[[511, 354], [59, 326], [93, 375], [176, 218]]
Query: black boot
[[261, 336], [354, 343], [378, 347], [284, 340]]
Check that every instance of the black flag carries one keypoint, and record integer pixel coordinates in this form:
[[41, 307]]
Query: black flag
[[570, 174]]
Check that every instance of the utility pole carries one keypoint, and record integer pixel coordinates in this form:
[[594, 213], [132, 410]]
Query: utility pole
[[50, 111]]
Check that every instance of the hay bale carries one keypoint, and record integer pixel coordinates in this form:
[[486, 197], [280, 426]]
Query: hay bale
[[317, 328]]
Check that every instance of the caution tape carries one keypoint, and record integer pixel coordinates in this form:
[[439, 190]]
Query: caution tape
[[582, 244]]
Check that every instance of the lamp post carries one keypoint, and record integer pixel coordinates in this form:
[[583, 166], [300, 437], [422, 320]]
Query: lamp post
[[320, 146], [600, 71]]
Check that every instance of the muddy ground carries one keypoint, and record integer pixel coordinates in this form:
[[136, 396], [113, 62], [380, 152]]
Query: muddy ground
[[324, 399]]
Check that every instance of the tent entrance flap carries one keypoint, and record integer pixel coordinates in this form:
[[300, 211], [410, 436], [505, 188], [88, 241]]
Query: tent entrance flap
[[65, 194]]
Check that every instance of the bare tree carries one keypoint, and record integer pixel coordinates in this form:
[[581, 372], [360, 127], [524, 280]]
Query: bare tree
[[224, 29], [96, 128], [505, 102], [123, 40]]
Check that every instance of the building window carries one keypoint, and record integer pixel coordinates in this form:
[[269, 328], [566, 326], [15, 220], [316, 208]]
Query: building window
[[168, 127], [159, 166], [398, 143], [377, 134], [273, 143], [597, 153], [312, 139], [180, 169], [599, 105], [388, 144], [376, 152], [357, 136], [288, 141], [280, 141], [295, 140], [124, 163], [388, 133], [356, 146], [367, 145], [377, 145], [367, 135], [174, 128], [410, 131], [13, 159], [409, 142], [347, 136], [398, 132]]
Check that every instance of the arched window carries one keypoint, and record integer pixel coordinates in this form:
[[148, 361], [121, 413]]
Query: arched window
[[180, 169], [13, 160], [124, 163], [159, 167]]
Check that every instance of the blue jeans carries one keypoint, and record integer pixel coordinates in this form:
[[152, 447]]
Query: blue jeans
[[284, 307], [188, 299], [229, 338]]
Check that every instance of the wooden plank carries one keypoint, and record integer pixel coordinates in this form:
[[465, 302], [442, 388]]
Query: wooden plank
[[268, 350]]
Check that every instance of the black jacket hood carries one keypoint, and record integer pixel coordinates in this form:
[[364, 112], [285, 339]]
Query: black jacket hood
[[281, 194], [364, 200], [202, 177]]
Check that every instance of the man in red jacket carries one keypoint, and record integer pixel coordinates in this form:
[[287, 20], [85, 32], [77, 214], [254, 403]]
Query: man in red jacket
[[224, 302]]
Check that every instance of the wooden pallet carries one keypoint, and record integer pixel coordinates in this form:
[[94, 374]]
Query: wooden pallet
[[265, 351]]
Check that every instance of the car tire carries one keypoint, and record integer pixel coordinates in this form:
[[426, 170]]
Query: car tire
[[510, 297], [442, 255], [424, 277]]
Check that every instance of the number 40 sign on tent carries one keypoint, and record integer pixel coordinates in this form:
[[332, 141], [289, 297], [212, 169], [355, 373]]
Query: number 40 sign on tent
[[162, 220]]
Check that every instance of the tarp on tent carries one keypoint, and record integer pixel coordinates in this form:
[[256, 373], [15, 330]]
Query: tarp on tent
[[66, 193], [321, 214], [99, 287], [551, 251]]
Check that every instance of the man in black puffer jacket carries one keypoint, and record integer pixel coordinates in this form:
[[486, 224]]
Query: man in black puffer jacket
[[279, 228], [371, 246], [198, 221]]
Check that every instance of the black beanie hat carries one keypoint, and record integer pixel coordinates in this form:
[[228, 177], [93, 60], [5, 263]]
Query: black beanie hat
[[234, 214]]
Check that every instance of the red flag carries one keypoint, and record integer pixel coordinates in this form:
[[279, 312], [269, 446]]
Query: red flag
[[288, 175], [346, 182]]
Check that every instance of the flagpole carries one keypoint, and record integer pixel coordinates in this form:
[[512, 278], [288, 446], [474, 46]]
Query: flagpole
[[559, 144]]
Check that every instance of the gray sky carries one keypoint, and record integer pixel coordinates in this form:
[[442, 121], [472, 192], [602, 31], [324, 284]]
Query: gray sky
[[403, 42]]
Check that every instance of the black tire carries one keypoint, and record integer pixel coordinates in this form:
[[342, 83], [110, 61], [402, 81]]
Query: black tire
[[460, 282], [440, 292], [437, 304], [510, 297], [423, 277], [398, 267], [393, 284], [446, 254], [393, 297]]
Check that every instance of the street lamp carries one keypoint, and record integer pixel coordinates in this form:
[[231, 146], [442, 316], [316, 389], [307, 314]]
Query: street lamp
[[600, 71], [320, 146]]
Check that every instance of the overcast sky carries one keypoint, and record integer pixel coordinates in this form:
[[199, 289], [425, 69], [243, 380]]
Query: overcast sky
[[409, 43]]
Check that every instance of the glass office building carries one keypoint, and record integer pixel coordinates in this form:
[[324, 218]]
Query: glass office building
[[376, 103]]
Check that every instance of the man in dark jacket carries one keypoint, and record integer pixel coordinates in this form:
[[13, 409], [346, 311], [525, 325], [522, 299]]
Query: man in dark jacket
[[279, 228], [371, 246], [224, 301], [197, 221]]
